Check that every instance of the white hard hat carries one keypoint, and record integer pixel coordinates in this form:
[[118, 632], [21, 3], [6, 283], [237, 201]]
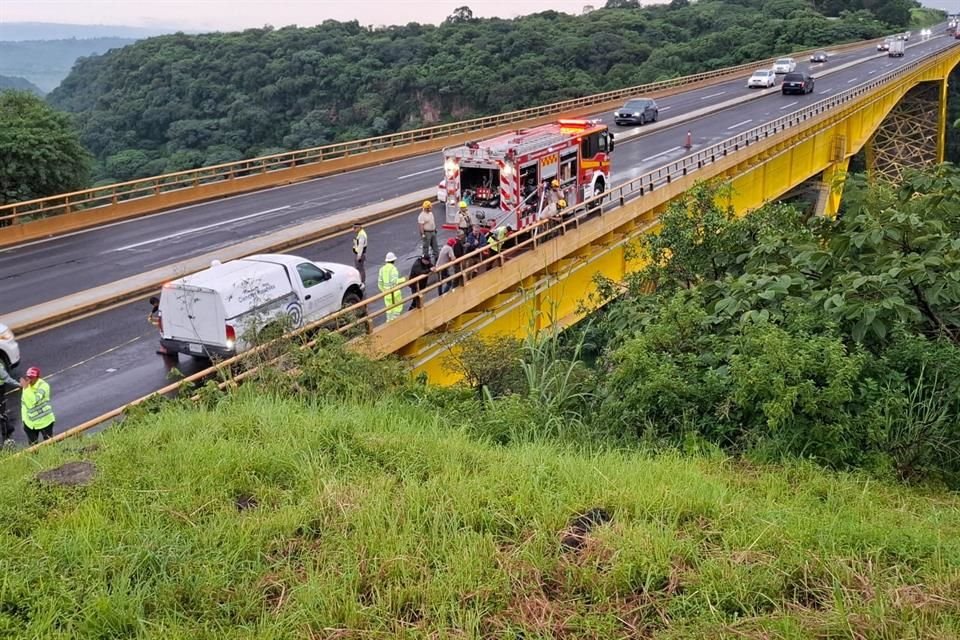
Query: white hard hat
[[390, 257]]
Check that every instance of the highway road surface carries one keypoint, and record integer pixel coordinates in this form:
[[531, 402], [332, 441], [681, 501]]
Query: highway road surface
[[101, 362], [44, 270]]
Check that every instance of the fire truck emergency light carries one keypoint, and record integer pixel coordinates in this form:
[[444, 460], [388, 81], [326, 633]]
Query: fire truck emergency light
[[507, 169], [574, 123], [450, 166]]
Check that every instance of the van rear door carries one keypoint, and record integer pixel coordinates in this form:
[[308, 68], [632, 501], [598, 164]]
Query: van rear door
[[194, 315]]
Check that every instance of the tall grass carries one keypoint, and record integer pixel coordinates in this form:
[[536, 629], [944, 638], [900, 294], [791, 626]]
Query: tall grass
[[267, 518]]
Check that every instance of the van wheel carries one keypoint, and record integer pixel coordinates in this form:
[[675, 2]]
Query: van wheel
[[351, 298]]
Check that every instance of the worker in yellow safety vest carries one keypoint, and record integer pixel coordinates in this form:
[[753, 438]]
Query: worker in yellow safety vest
[[35, 408], [497, 237], [390, 278]]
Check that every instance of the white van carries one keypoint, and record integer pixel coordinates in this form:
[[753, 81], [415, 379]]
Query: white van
[[216, 312]]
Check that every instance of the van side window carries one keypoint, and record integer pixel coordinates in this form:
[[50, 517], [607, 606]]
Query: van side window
[[311, 275]]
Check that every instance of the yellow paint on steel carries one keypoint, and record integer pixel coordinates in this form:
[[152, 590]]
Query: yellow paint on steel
[[44, 217], [560, 289]]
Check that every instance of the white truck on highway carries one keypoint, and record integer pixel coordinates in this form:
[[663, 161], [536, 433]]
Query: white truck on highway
[[218, 312], [897, 47]]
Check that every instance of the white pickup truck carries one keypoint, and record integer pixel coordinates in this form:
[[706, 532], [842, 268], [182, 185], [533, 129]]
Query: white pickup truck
[[216, 312]]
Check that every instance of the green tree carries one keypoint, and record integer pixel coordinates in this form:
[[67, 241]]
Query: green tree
[[40, 153]]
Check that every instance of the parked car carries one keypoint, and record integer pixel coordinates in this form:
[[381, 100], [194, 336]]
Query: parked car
[[219, 311], [9, 350], [762, 78], [797, 83], [819, 56], [637, 111], [784, 65]]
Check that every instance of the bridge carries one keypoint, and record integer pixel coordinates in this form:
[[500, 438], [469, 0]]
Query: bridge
[[761, 143]]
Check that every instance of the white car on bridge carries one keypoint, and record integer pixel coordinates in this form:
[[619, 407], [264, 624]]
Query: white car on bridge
[[785, 65], [765, 78]]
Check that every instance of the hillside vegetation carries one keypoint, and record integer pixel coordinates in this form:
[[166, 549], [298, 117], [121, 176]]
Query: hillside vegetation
[[178, 102]]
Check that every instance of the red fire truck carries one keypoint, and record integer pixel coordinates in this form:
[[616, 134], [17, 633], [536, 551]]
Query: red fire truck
[[503, 179]]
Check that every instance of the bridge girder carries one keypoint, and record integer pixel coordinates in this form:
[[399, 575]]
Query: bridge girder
[[912, 135]]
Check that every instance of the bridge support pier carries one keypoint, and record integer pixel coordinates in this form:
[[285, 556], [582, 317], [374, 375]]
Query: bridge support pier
[[912, 135], [831, 188]]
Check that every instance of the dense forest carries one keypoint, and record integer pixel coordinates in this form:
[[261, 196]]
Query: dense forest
[[182, 101]]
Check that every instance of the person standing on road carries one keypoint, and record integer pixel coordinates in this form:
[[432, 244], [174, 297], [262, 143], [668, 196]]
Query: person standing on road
[[6, 425], [447, 255], [389, 278], [154, 319], [463, 218], [35, 408], [421, 267], [428, 230], [360, 250]]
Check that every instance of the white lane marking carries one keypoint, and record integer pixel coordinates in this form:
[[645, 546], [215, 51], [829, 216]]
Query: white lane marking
[[871, 72], [740, 124], [662, 153], [851, 80], [196, 229], [665, 108], [787, 106], [420, 173], [713, 95]]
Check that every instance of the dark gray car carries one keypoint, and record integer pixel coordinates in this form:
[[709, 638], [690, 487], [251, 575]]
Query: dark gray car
[[637, 111]]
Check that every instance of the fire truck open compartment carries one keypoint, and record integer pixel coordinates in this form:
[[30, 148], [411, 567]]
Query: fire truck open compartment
[[480, 185]]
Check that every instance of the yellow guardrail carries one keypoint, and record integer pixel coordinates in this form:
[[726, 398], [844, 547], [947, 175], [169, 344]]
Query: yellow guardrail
[[43, 217]]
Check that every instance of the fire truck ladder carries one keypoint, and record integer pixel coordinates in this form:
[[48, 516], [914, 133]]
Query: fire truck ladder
[[542, 141]]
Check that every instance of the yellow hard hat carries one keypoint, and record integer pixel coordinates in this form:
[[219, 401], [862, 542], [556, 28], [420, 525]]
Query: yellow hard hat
[[463, 205], [561, 203], [555, 183], [427, 204]]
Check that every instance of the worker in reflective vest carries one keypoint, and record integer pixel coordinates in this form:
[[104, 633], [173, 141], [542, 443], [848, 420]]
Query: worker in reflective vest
[[35, 408], [389, 278], [497, 237]]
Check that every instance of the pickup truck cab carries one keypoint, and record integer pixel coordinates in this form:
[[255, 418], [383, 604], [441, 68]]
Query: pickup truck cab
[[218, 311]]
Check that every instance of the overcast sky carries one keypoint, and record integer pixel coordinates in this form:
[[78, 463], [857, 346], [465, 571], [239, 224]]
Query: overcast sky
[[236, 14]]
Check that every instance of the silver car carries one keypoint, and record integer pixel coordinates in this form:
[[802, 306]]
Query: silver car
[[9, 350], [765, 78], [785, 65]]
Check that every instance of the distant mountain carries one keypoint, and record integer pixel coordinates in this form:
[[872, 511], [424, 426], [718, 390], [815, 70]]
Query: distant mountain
[[19, 84], [20, 31], [46, 62]]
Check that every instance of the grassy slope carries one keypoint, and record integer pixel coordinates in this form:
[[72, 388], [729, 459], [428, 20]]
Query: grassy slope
[[383, 522]]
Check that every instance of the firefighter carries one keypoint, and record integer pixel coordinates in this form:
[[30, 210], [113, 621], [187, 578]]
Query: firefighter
[[428, 229], [497, 239], [555, 194], [389, 278], [463, 218]]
